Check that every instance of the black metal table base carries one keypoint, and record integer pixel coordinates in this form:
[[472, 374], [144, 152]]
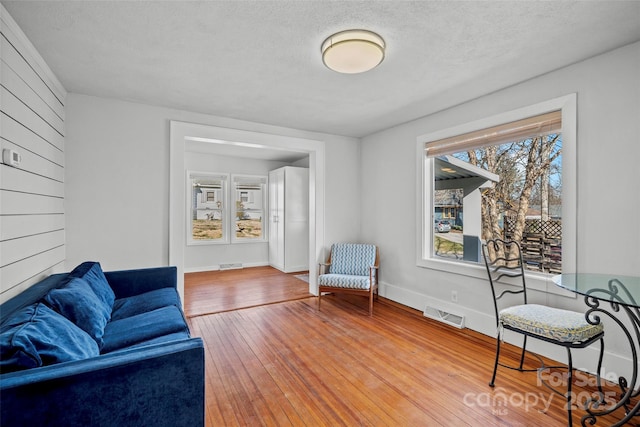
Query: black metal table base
[[610, 303]]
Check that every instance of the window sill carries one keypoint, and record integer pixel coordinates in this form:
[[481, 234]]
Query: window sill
[[224, 242], [243, 242], [207, 242], [535, 281]]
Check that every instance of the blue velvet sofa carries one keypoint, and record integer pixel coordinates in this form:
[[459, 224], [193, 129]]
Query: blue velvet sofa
[[94, 348]]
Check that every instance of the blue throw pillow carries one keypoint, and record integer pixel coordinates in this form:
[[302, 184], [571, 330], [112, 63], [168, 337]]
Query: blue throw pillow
[[38, 336], [77, 302], [145, 302], [92, 273], [143, 327]]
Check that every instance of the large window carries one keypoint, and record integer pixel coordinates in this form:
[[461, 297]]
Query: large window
[[250, 202], [226, 208], [513, 179], [207, 209]]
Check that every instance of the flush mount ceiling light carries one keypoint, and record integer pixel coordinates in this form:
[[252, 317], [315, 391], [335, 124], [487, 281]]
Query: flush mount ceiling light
[[353, 51]]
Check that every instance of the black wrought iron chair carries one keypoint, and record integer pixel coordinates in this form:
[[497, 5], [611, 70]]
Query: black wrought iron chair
[[568, 329]]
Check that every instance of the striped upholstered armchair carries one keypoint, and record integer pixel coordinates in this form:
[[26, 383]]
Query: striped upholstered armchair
[[351, 268]]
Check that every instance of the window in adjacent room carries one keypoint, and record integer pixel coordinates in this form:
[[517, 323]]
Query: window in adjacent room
[[250, 200], [208, 219], [503, 181]]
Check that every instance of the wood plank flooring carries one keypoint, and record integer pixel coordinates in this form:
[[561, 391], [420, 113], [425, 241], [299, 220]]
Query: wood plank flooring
[[288, 364], [216, 291]]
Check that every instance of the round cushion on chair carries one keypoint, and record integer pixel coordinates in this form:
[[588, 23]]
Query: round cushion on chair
[[549, 322]]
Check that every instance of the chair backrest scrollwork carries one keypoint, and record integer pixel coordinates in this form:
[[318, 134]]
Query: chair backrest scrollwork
[[504, 263]]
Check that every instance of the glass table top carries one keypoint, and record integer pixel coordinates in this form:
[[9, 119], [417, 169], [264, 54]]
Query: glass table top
[[607, 287]]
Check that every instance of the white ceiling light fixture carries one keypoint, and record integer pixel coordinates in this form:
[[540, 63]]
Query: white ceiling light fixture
[[353, 51]]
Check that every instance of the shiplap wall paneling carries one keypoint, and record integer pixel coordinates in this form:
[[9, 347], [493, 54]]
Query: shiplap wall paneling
[[14, 227], [47, 88], [32, 145], [32, 235]]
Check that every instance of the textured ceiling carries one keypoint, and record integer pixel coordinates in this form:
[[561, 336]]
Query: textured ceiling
[[260, 60]]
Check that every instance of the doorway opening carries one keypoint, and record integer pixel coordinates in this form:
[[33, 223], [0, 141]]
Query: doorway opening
[[239, 141]]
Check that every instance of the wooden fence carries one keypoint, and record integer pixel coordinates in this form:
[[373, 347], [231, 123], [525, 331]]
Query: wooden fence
[[541, 243]]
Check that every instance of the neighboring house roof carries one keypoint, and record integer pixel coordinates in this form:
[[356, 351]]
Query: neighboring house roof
[[449, 168]]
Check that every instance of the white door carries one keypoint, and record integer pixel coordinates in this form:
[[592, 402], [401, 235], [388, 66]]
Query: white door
[[297, 219], [276, 219]]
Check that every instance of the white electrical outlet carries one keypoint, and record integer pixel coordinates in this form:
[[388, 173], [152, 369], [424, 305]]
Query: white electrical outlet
[[454, 296]]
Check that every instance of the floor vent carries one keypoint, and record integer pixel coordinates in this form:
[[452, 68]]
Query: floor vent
[[444, 317], [234, 266]]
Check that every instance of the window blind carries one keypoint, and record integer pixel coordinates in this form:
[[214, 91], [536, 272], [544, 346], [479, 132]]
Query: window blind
[[200, 180], [250, 180], [543, 124]]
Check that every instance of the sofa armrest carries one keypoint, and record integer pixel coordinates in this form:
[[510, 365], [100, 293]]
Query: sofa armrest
[[126, 283], [158, 385]]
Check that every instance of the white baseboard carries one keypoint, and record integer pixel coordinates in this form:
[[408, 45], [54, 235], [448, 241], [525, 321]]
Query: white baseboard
[[216, 267], [614, 365]]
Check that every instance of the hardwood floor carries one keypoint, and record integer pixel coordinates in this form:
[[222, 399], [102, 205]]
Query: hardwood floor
[[288, 364], [216, 291]]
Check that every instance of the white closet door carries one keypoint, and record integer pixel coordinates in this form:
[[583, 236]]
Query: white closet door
[[296, 199], [289, 219], [276, 219]]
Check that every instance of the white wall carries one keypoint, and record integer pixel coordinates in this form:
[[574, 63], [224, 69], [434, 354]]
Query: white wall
[[116, 183], [608, 93], [32, 234], [117, 180], [209, 257]]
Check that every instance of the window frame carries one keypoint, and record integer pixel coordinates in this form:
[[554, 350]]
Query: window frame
[[225, 209], [233, 213], [425, 180]]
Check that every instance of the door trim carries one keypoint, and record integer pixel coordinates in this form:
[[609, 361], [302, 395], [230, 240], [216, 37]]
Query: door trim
[[315, 149]]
